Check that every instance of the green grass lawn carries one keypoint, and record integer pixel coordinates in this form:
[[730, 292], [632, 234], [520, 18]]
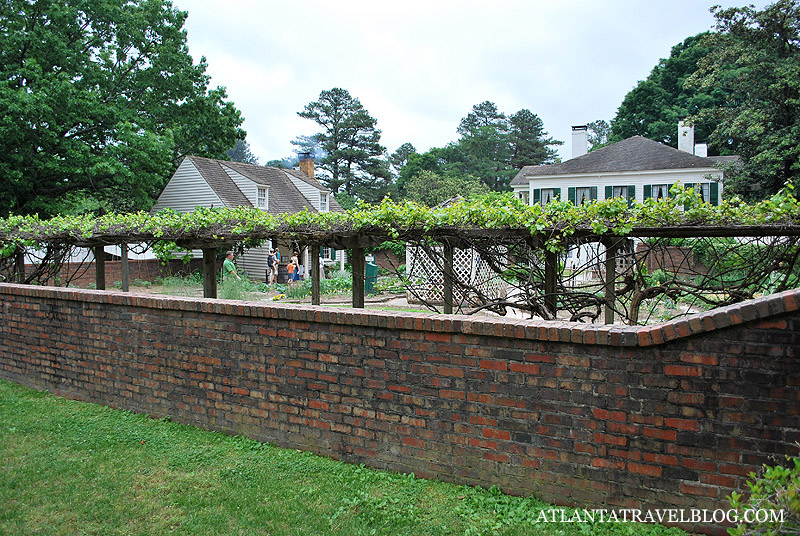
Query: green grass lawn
[[74, 468]]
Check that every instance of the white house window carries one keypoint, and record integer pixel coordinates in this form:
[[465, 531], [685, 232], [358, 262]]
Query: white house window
[[323, 202], [660, 191], [548, 194], [620, 191], [525, 196], [583, 195], [263, 198], [704, 190]]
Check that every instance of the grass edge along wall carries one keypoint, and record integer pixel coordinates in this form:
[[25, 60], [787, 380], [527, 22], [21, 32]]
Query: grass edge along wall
[[674, 415]]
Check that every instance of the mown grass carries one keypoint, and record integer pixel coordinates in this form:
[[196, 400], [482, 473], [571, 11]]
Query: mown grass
[[72, 468]]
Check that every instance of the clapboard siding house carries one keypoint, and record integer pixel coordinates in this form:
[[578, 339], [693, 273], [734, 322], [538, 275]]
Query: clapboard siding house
[[635, 169], [204, 182]]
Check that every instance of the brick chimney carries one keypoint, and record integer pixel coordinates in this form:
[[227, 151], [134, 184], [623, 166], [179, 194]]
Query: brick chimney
[[580, 141], [306, 164]]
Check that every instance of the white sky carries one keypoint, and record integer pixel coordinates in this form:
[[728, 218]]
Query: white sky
[[418, 66]]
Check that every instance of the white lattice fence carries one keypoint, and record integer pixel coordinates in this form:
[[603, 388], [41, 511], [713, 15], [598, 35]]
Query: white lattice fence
[[426, 279]]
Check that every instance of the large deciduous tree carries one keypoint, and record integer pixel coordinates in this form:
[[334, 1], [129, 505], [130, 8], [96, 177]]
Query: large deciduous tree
[[101, 98], [431, 189], [653, 108], [350, 140], [755, 57]]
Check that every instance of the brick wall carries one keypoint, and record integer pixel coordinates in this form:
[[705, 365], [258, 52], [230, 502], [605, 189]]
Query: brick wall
[[668, 416], [672, 259]]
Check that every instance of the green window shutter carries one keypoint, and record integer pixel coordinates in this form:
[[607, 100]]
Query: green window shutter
[[333, 254], [714, 191], [647, 192], [593, 193], [537, 196], [557, 193], [571, 195], [631, 194], [609, 192]]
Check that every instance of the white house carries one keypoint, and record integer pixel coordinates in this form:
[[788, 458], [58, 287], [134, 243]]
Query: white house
[[203, 182], [635, 168]]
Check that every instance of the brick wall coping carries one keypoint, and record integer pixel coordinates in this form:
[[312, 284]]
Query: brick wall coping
[[541, 330]]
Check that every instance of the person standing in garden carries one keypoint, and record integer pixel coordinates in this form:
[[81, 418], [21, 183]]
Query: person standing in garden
[[272, 268], [296, 262], [228, 268]]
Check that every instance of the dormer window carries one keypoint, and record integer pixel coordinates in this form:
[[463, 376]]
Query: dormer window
[[323, 202], [263, 198]]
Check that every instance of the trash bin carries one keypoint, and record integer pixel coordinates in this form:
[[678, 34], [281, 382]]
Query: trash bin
[[283, 274], [370, 278]]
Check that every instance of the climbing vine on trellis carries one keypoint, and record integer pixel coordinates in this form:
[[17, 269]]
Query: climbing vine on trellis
[[528, 233]]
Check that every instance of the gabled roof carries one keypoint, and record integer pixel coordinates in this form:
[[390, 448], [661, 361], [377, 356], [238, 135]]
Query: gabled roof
[[632, 154], [284, 196]]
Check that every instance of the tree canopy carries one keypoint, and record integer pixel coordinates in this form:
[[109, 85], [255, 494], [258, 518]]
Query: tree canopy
[[350, 140], [754, 58], [492, 148], [430, 188], [653, 108], [101, 100], [241, 153]]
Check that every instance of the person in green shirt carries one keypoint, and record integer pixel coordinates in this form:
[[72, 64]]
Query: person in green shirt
[[228, 268]]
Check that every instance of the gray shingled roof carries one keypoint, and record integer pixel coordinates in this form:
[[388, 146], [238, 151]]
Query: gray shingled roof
[[284, 196], [220, 182], [632, 154]]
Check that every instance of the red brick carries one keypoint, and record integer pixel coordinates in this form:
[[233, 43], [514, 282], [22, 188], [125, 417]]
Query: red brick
[[719, 480], [491, 364], [438, 337], [658, 433], [703, 491], [413, 442], [682, 370], [663, 459], [524, 367], [682, 424], [605, 415], [493, 433], [642, 469], [611, 440], [482, 443], [451, 371], [486, 421]]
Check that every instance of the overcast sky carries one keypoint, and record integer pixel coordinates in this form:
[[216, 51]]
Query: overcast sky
[[418, 66]]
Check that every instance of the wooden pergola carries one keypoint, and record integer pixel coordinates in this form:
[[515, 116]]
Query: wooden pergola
[[449, 237]]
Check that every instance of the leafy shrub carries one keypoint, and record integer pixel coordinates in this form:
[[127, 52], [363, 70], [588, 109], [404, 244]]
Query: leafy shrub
[[233, 289], [776, 490]]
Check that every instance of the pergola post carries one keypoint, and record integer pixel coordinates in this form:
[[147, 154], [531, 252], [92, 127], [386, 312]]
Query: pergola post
[[123, 249], [610, 282], [550, 277], [315, 275], [209, 272], [19, 263], [100, 267], [447, 291], [359, 268]]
